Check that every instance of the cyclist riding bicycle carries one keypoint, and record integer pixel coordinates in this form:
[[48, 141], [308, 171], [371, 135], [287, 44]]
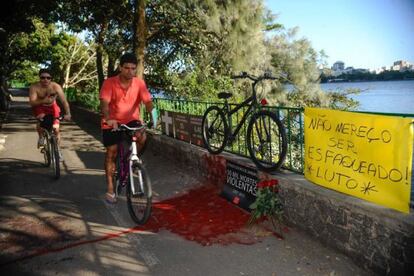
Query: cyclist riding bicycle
[[120, 98], [42, 98]]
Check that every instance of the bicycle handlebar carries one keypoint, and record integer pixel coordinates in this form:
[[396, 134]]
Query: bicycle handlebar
[[124, 127]]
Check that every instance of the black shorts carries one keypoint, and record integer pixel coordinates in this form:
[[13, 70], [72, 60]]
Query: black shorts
[[110, 137]]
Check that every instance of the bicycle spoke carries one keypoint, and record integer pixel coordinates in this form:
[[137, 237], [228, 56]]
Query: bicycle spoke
[[266, 142]]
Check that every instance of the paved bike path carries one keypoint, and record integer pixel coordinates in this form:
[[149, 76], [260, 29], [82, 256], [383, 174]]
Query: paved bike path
[[64, 227]]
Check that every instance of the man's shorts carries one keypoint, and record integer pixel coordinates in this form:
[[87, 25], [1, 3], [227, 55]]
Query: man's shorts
[[110, 137], [52, 109]]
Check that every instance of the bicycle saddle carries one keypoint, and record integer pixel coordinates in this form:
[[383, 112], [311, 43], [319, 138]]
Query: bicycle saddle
[[224, 95]]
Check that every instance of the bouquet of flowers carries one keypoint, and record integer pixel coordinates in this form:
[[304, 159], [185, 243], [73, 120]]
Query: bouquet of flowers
[[267, 204]]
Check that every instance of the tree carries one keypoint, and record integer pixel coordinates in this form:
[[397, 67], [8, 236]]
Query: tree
[[16, 17], [101, 19], [301, 85]]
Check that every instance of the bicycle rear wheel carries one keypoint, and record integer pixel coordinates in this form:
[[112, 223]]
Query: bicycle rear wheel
[[266, 141], [214, 126], [139, 194], [115, 178], [55, 159]]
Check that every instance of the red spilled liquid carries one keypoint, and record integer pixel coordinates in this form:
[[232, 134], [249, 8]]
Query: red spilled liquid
[[201, 215]]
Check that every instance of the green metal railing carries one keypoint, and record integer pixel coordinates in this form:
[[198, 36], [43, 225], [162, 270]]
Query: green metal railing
[[292, 118]]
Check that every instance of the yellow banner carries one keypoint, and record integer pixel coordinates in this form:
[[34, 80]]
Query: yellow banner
[[364, 155]]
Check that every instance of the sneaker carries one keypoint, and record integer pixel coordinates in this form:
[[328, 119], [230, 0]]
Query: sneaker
[[41, 142]]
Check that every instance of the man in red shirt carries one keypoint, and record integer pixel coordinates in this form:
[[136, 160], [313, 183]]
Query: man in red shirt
[[120, 97]]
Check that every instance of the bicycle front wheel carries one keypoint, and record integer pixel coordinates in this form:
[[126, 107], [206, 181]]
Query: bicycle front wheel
[[266, 141], [214, 126], [46, 150], [139, 194], [55, 159]]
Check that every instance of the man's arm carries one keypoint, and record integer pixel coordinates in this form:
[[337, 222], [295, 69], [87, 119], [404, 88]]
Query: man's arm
[[153, 113], [149, 106], [106, 115], [63, 100]]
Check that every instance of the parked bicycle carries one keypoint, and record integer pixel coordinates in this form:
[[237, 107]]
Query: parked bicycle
[[50, 148], [266, 136], [130, 173]]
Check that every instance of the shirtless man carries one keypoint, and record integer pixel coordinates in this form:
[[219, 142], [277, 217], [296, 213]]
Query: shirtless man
[[42, 98]]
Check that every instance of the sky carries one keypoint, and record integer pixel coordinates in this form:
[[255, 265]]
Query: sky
[[361, 33]]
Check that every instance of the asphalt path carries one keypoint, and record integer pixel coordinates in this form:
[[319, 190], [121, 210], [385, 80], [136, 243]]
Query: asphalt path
[[64, 227]]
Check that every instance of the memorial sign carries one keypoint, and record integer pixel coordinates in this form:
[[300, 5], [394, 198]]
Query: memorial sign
[[240, 187], [167, 126], [196, 131], [182, 126]]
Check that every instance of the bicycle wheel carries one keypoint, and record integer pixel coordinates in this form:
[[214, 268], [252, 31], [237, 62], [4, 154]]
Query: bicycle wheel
[[266, 141], [139, 194], [46, 149], [115, 177], [214, 127], [55, 157]]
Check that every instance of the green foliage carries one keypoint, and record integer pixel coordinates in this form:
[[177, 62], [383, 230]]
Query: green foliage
[[27, 73], [17, 18], [197, 85], [299, 61], [192, 48], [88, 99]]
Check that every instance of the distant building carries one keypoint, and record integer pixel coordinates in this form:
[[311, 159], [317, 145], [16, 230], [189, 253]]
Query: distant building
[[401, 65], [338, 66]]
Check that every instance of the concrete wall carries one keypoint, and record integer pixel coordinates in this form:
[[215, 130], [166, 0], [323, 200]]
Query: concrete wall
[[377, 238]]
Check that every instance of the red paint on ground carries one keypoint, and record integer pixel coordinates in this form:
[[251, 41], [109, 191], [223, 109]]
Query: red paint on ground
[[201, 215]]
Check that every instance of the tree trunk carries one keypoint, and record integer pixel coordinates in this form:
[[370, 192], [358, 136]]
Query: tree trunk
[[111, 66], [99, 53], [140, 36]]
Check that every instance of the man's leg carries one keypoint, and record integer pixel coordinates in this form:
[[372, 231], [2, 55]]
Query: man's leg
[[141, 139], [56, 129], [110, 158], [39, 116]]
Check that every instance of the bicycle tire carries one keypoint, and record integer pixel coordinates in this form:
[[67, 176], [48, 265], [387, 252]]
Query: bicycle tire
[[55, 157], [215, 130], [115, 177], [139, 204], [46, 150], [267, 154]]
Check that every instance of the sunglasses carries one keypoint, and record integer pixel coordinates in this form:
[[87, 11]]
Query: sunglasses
[[45, 78]]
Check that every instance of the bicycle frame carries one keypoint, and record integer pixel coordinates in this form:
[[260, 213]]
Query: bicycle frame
[[127, 160], [252, 104]]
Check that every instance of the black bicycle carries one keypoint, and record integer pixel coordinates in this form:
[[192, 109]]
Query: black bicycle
[[130, 173], [50, 147], [265, 137]]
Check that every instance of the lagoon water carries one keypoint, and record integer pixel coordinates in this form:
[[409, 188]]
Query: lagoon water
[[380, 96]]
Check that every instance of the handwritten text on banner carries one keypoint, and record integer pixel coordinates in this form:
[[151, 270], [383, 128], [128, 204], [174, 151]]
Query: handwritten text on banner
[[364, 155]]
